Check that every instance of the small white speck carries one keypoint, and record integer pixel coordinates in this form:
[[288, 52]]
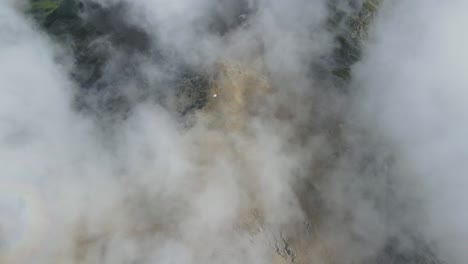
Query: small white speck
[[215, 95]]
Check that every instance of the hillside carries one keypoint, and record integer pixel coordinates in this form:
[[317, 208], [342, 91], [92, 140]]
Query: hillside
[[211, 132]]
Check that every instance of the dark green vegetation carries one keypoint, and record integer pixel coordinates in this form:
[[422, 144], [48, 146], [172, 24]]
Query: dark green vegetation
[[353, 30], [91, 40], [43, 8], [103, 30]]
